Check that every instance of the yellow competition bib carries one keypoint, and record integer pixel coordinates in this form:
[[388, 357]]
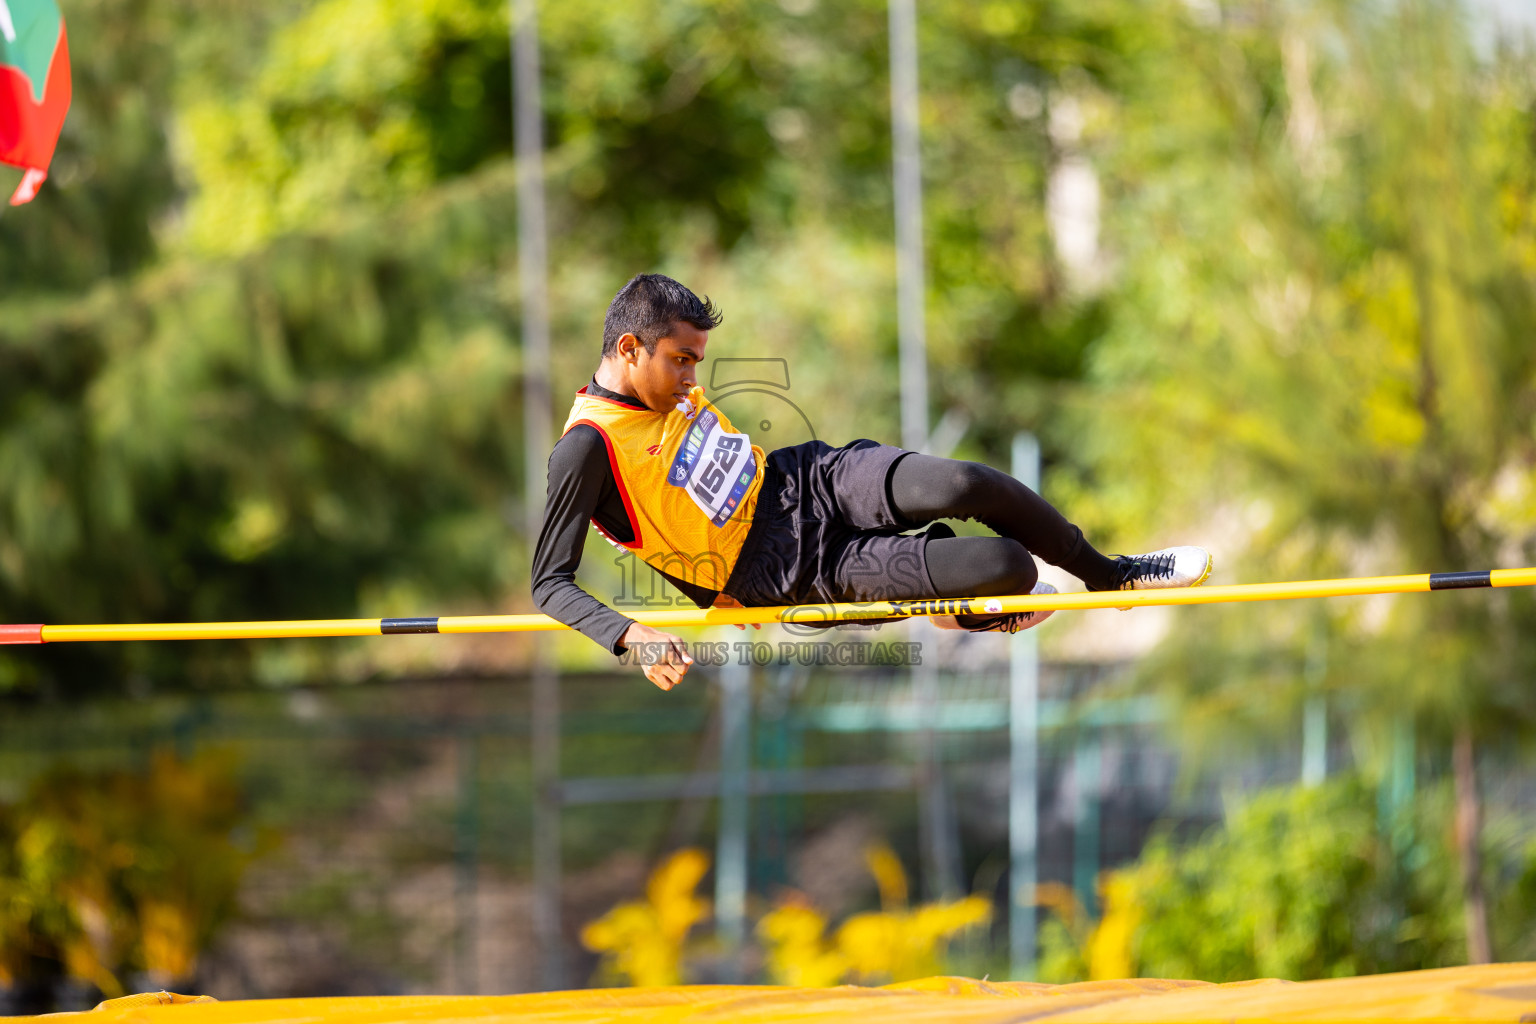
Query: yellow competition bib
[[688, 479]]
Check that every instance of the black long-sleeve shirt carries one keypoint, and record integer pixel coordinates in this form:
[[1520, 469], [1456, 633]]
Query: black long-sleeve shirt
[[582, 490]]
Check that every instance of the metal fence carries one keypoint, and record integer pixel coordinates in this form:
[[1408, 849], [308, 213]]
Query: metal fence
[[403, 811]]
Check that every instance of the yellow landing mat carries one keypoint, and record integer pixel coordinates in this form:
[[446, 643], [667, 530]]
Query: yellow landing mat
[[1502, 992]]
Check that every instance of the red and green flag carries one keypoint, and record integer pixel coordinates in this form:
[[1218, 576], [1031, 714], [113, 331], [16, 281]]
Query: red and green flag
[[34, 88]]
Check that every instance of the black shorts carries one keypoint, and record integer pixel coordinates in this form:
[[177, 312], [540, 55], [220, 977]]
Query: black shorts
[[824, 530]]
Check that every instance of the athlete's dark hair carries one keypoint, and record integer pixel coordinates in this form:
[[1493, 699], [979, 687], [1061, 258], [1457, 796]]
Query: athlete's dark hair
[[648, 306]]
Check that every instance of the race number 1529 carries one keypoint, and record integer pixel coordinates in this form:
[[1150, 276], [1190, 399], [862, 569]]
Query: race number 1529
[[727, 449]]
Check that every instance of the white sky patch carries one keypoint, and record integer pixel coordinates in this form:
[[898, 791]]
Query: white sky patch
[[1072, 197], [1493, 19], [7, 26], [1514, 13]]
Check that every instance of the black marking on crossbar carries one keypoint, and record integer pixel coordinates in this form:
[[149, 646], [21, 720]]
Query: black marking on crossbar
[[1459, 580], [408, 625]]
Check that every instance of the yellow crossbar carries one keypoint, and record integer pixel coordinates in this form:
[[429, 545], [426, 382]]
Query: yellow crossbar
[[800, 614]]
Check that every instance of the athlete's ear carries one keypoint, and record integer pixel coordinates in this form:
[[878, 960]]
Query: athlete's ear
[[629, 348]]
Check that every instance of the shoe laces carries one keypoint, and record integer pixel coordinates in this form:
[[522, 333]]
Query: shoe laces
[[1146, 567], [1008, 623]]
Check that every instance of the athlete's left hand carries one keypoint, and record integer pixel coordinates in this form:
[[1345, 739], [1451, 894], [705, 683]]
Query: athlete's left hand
[[727, 601]]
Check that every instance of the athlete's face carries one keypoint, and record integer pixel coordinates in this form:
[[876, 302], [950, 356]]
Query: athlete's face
[[662, 378]]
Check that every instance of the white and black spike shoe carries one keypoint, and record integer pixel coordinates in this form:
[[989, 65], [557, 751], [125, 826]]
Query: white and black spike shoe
[[1010, 622], [1163, 570]]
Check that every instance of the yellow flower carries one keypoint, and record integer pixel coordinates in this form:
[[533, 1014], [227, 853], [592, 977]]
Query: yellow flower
[[1109, 947], [670, 891], [889, 876], [872, 943], [797, 951], [642, 941], [897, 943], [906, 944]]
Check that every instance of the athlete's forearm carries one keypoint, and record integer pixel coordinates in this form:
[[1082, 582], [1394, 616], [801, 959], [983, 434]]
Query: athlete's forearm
[[564, 601], [576, 469]]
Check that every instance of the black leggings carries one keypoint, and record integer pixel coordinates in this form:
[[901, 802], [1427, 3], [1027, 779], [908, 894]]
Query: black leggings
[[924, 488]]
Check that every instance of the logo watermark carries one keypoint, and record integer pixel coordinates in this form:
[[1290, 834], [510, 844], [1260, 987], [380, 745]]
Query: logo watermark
[[754, 394], [785, 652]]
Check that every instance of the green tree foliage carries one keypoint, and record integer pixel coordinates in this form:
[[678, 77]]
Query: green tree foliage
[[257, 436], [722, 125], [656, 111], [1322, 339], [1303, 884], [356, 104], [1327, 271]]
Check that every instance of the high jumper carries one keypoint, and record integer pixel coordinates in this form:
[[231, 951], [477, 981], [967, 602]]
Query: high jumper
[[660, 471]]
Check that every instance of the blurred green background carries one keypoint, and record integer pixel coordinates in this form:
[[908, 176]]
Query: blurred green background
[[1260, 274]]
